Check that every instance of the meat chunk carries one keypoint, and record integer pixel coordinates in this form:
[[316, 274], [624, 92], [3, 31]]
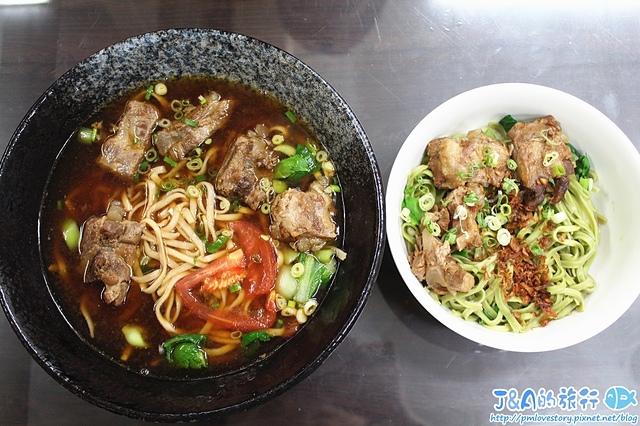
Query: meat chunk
[[123, 152], [178, 140], [539, 148], [246, 162], [303, 218], [475, 158], [463, 214], [107, 251], [431, 263]]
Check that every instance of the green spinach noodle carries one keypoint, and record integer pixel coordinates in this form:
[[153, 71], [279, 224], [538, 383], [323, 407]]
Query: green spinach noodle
[[500, 226]]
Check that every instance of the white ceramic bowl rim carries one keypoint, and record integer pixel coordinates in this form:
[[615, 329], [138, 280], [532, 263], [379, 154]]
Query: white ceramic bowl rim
[[612, 156]]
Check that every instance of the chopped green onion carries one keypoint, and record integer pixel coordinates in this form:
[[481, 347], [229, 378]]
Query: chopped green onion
[[151, 155], [297, 269], [234, 288], [193, 191], [559, 217], [489, 242], [510, 185], [558, 170], [471, 199], [536, 249], [147, 95], [291, 116], [143, 167], [196, 152], [176, 105], [549, 158], [405, 214], [322, 156], [202, 100], [325, 255], [427, 201], [464, 175], [71, 234], [264, 184], [216, 245], [460, 213], [277, 139], [170, 161], [433, 227], [195, 164], [160, 89], [134, 335], [511, 164], [87, 135], [167, 186], [59, 204], [547, 211], [491, 160], [279, 186], [310, 307], [265, 208], [505, 209], [493, 223], [503, 236], [502, 218], [288, 150], [586, 183], [449, 236], [190, 122]]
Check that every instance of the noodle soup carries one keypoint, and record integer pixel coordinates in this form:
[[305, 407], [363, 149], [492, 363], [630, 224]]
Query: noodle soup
[[192, 225]]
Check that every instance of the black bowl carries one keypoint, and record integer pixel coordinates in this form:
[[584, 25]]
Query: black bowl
[[70, 101]]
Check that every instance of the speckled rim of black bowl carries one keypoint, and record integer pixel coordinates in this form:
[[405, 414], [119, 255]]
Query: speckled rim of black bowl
[[71, 100]]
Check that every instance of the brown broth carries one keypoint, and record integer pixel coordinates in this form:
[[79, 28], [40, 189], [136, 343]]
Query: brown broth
[[77, 179]]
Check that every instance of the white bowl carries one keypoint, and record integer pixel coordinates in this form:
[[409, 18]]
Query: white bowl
[[613, 157]]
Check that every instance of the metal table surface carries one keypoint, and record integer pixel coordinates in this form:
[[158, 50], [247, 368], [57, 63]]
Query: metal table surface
[[393, 61]]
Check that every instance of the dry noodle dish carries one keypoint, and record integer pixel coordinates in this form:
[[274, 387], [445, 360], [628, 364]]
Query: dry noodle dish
[[192, 225], [500, 226]]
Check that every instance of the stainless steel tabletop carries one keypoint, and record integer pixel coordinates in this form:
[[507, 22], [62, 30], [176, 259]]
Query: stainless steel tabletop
[[393, 61]]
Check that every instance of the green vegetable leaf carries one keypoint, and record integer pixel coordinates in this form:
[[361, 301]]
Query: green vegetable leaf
[[293, 169], [252, 336], [314, 272], [583, 166], [507, 122], [416, 213], [308, 157], [185, 351]]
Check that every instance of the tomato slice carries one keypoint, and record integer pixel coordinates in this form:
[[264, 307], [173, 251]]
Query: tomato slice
[[262, 267], [258, 257], [232, 261]]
